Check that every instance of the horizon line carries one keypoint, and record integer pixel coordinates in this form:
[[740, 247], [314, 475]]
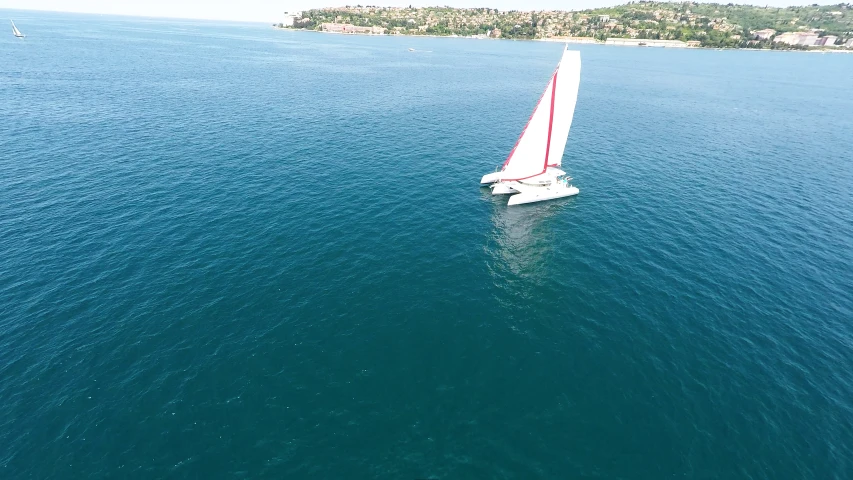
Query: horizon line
[[274, 20], [132, 15]]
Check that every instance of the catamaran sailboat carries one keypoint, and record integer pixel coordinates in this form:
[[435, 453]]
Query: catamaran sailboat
[[532, 171], [15, 31]]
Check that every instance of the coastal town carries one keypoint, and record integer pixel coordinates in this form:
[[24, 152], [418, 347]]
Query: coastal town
[[653, 24]]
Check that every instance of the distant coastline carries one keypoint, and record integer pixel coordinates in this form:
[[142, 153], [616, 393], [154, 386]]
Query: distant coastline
[[571, 42], [641, 24]]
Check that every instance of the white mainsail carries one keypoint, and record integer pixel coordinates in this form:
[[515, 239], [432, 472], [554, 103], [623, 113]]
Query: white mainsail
[[543, 140], [15, 30]]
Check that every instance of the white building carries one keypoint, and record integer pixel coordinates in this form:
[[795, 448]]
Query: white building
[[828, 41], [797, 38], [764, 34], [807, 39], [290, 17]]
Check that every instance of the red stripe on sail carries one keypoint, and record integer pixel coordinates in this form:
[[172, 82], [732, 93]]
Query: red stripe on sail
[[511, 152], [550, 126]]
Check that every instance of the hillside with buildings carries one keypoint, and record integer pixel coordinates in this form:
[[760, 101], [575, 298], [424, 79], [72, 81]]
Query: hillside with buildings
[[637, 23]]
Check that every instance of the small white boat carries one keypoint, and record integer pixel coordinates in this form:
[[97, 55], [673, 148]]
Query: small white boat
[[411, 49], [532, 171], [15, 31]]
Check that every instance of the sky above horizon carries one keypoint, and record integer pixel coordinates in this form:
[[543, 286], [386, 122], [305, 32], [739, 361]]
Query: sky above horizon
[[273, 10]]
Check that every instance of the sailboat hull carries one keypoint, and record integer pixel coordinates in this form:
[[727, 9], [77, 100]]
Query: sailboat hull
[[540, 194], [490, 178], [503, 189]]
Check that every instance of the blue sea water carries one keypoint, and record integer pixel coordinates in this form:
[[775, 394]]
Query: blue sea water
[[228, 251]]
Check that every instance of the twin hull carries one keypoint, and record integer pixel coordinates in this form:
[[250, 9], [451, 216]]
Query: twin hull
[[540, 194], [545, 187]]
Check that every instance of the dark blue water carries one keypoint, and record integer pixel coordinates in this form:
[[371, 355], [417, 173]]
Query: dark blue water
[[233, 252]]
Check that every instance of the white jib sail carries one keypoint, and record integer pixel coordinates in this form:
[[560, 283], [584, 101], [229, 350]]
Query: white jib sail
[[15, 30], [568, 82], [543, 140]]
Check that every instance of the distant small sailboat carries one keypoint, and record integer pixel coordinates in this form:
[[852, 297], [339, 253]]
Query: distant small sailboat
[[15, 31], [532, 170], [411, 49]]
